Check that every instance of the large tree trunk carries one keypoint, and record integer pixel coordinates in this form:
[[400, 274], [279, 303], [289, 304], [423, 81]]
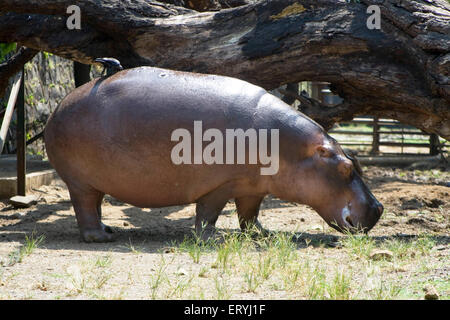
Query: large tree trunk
[[401, 71]]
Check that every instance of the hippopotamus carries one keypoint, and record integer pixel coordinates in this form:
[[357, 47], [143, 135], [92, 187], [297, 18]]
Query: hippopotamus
[[115, 135]]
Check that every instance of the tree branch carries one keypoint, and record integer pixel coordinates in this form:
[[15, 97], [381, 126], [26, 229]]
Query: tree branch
[[400, 70], [14, 65], [134, 8]]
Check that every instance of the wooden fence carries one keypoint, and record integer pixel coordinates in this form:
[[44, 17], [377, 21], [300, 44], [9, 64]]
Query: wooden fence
[[369, 135], [386, 136]]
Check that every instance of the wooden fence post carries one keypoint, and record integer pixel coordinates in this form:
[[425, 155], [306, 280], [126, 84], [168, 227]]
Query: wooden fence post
[[434, 144], [375, 137], [21, 138], [8, 113]]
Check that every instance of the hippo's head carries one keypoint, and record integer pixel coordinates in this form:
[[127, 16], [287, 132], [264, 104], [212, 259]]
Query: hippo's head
[[324, 177]]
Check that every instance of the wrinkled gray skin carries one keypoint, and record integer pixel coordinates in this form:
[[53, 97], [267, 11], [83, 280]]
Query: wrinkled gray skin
[[113, 136]]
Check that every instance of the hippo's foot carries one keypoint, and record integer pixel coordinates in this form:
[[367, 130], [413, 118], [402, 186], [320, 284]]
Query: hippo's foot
[[107, 229], [87, 206], [206, 233], [97, 235]]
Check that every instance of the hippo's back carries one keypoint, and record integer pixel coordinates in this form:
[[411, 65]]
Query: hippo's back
[[114, 134]]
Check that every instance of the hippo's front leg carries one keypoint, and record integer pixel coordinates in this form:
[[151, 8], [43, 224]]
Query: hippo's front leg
[[247, 210], [87, 206], [207, 211]]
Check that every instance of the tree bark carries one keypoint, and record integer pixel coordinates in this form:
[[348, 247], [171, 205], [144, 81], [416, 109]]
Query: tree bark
[[401, 71]]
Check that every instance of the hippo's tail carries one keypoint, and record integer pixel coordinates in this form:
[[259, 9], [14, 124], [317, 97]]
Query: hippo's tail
[[110, 65]]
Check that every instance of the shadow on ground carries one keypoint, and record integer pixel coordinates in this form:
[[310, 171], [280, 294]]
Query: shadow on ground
[[149, 230]]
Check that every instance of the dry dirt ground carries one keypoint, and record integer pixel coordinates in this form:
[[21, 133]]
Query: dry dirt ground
[[155, 257]]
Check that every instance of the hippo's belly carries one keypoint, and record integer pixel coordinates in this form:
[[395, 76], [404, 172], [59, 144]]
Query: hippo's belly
[[114, 135]]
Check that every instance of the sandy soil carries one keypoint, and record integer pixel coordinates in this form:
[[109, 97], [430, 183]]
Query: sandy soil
[[416, 202]]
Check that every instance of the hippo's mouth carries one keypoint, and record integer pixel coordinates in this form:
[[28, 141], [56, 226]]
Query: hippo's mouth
[[349, 224], [346, 218], [344, 223]]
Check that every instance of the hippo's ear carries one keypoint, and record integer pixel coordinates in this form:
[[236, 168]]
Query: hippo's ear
[[357, 166], [345, 167], [355, 161]]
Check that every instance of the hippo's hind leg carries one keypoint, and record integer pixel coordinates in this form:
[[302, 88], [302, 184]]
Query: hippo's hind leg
[[247, 210], [207, 211], [87, 206]]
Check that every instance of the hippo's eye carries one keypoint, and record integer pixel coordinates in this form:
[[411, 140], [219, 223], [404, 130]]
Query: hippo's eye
[[323, 152]]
